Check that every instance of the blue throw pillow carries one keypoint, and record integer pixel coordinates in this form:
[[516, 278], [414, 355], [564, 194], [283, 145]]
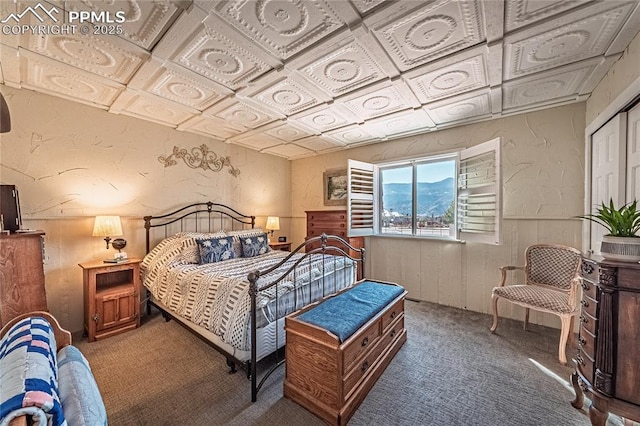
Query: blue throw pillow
[[215, 249], [254, 246]]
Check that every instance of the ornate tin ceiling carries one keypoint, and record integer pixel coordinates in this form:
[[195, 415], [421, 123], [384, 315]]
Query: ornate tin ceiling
[[295, 78]]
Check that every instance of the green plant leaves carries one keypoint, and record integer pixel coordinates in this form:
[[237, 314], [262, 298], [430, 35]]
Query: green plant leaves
[[622, 222]]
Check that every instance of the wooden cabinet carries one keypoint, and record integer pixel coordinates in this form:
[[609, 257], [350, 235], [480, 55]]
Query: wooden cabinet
[[608, 358], [331, 379], [280, 246], [332, 222], [111, 298], [21, 274]]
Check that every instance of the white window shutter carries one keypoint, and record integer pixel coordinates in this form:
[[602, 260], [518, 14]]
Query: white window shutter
[[361, 204], [480, 193]]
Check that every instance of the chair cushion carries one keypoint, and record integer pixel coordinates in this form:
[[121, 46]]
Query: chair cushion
[[536, 297]]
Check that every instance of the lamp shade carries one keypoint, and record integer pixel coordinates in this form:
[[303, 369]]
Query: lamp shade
[[5, 117], [107, 226], [273, 223]]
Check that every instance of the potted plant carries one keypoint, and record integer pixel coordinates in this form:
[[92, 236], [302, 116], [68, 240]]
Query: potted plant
[[621, 243]]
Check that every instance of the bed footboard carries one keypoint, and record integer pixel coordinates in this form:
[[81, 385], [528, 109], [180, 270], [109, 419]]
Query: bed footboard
[[330, 247]]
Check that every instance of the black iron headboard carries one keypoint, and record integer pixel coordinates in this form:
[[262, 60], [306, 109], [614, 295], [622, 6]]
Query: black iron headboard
[[208, 213]]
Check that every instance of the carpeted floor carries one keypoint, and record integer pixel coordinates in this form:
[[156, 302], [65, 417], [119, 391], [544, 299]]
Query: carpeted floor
[[451, 371]]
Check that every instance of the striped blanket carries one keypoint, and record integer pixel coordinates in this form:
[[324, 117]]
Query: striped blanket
[[29, 375], [216, 295]]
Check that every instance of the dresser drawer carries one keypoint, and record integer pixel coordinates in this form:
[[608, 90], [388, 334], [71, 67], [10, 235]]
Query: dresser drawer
[[587, 342], [585, 365], [589, 270], [326, 216], [316, 232], [360, 345], [589, 289], [361, 368], [589, 323], [394, 312], [589, 306]]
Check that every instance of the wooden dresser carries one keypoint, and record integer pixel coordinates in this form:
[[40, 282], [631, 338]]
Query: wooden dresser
[[608, 358], [332, 222], [21, 274], [331, 379]]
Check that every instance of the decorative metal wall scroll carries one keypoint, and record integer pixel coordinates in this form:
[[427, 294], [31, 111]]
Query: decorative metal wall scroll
[[199, 158]]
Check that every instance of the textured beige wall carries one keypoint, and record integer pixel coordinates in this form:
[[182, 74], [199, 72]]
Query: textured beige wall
[[624, 72], [543, 173], [71, 162]]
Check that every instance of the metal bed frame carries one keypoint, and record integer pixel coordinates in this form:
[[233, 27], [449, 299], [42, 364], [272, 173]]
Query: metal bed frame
[[202, 217]]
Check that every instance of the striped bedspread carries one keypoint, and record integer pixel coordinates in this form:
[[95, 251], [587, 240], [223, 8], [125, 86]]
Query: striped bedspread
[[216, 295]]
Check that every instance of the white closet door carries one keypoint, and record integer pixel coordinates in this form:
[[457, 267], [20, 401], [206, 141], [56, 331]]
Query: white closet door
[[608, 151], [633, 154]]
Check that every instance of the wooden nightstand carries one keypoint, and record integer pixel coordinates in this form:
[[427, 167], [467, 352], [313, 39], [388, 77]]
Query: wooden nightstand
[[280, 246], [111, 297]]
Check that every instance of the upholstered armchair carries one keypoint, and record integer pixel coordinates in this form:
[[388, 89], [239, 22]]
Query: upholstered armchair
[[552, 276]]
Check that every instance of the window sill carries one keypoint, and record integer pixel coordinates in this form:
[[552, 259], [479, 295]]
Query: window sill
[[418, 237]]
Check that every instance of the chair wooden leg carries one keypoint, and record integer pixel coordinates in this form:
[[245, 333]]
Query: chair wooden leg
[[564, 335], [495, 314], [526, 319]]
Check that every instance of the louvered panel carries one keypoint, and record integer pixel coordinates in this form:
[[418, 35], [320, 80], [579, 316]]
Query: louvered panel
[[479, 193], [477, 171], [361, 206]]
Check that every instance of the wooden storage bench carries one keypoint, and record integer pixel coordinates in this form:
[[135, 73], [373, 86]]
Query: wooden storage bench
[[338, 348]]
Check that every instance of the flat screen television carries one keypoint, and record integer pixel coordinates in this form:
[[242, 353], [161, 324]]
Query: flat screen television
[[10, 208]]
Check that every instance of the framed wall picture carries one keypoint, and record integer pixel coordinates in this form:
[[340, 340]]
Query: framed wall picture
[[335, 187]]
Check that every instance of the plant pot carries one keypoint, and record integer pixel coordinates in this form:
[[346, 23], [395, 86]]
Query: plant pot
[[622, 249]]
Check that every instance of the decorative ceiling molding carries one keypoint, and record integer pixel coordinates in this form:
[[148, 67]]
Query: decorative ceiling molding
[[300, 77]]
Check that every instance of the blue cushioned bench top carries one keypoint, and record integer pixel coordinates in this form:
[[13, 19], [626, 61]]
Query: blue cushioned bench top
[[345, 313]]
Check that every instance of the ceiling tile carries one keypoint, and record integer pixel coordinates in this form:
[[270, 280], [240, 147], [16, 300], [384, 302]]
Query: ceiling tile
[[208, 125], [319, 144], [345, 62], [456, 74], [354, 134], [145, 21], [170, 81], [325, 117], [554, 85], [195, 42], [256, 141], [520, 13], [284, 92], [48, 76], [365, 6], [436, 29], [461, 107], [380, 99], [583, 34], [284, 28], [242, 115], [285, 131], [107, 56], [290, 151], [153, 108], [401, 123]]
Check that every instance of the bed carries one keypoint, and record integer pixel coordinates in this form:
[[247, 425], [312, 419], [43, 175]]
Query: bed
[[210, 268]]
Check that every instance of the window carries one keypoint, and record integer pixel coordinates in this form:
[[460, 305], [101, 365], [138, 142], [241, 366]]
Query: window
[[448, 196]]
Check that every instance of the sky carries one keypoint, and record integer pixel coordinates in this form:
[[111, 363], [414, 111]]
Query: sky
[[429, 172]]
